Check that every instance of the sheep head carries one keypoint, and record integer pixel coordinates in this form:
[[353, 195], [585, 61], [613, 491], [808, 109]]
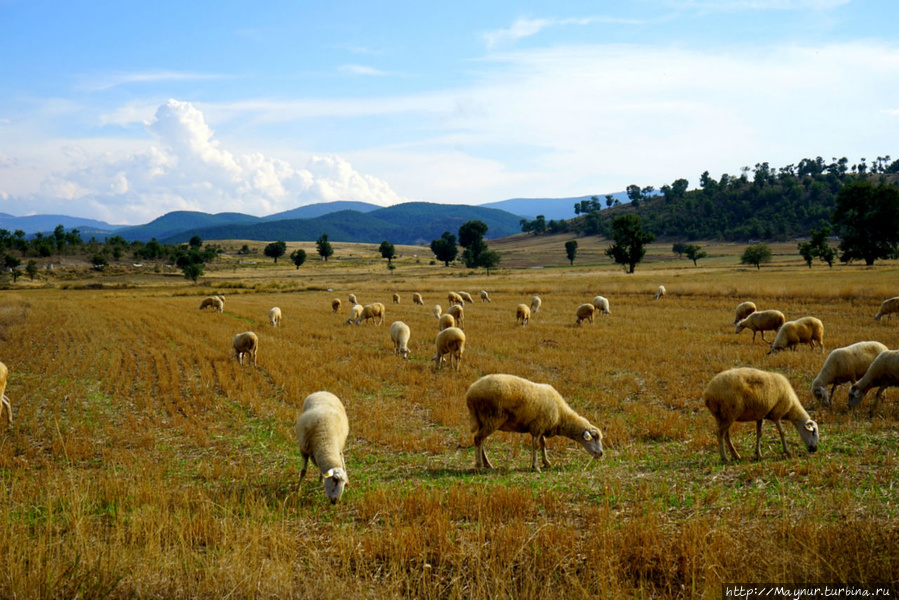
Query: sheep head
[[808, 431], [855, 396], [335, 481], [820, 393], [591, 440]]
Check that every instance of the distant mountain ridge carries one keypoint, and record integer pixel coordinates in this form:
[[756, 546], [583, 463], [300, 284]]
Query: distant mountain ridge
[[551, 208]]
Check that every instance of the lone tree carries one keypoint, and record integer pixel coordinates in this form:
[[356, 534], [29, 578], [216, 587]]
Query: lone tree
[[757, 254], [298, 257], [471, 237], [866, 218], [387, 251], [694, 253], [31, 269], [489, 259], [630, 241], [679, 248], [324, 246], [444, 248], [276, 250], [818, 247], [12, 263], [571, 250]]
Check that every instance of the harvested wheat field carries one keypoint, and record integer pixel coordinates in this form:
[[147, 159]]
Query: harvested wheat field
[[144, 461]]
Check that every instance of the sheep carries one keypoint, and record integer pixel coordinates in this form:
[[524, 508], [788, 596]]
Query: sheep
[[535, 304], [454, 298], [744, 309], [888, 308], [416, 299], [883, 373], [321, 431], [374, 311], [352, 299], [661, 291], [458, 314], [450, 341], [438, 310], [523, 314], [213, 302], [466, 297], [601, 304], [807, 330], [763, 320], [845, 364], [355, 314], [396, 298], [335, 304], [747, 394], [274, 316], [445, 321], [4, 399], [485, 297], [400, 333], [245, 343], [585, 313], [509, 403]]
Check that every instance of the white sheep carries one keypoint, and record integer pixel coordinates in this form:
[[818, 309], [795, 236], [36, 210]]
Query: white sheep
[[761, 321], [888, 308], [355, 313], [400, 333], [485, 297], [417, 299], [522, 314], [274, 316], [352, 299], [454, 298], [535, 304], [245, 343], [374, 311], [502, 402], [744, 309], [446, 320], [466, 297], [807, 330], [661, 291], [321, 431], [747, 394], [213, 302], [4, 400], [450, 341], [601, 304], [396, 298], [438, 310], [843, 365], [585, 313], [335, 304], [883, 373], [458, 314]]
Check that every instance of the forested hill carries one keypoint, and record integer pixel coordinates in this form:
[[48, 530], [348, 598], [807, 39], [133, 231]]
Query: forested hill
[[760, 203]]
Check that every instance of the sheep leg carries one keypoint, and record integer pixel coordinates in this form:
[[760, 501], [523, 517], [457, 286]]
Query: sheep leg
[[783, 439], [763, 336], [481, 460], [730, 444], [538, 442], [305, 464], [546, 462], [5, 402], [758, 440]]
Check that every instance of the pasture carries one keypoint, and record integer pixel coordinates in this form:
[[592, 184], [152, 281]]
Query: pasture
[[145, 462]]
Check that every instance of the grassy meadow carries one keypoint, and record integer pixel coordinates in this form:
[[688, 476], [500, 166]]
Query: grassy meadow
[[144, 462]]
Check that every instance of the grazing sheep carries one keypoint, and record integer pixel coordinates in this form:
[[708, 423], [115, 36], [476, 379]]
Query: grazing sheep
[[446, 320], [601, 304], [466, 297], [274, 316], [400, 333], [396, 298], [352, 299], [4, 400], [458, 314], [245, 343], [763, 320], [523, 314], [335, 304], [501, 402], [883, 373], [355, 314], [450, 341], [213, 302], [661, 291], [807, 330], [374, 311], [845, 364], [416, 299], [535, 304], [437, 311], [744, 309], [484, 296], [585, 313], [321, 430], [888, 308], [746, 394], [454, 298]]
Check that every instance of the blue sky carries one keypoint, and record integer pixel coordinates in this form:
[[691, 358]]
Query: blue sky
[[123, 111]]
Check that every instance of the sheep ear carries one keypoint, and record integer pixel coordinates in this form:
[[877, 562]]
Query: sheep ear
[[587, 436], [811, 425], [330, 473]]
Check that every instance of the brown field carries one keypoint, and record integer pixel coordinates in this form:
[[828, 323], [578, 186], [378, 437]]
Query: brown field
[[145, 462]]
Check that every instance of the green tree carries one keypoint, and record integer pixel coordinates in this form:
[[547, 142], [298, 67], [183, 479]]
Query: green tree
[[866, 218], [298, 257], [276, 250], [445, 248], [324, 246], [489, 259], [471, 237], [193, 271], [757, 254], [195, 241], [630, 241], [59, 238], [694, 253], [679, 248], [99, 262], [387, 251], [571, 250], [12, 263], [818, 247], [806, 252], [31, 269]]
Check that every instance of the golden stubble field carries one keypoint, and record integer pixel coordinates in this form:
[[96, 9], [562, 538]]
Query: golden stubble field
[[145, 462]]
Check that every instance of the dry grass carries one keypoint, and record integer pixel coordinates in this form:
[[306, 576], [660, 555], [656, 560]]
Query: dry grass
[[145, 462]]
